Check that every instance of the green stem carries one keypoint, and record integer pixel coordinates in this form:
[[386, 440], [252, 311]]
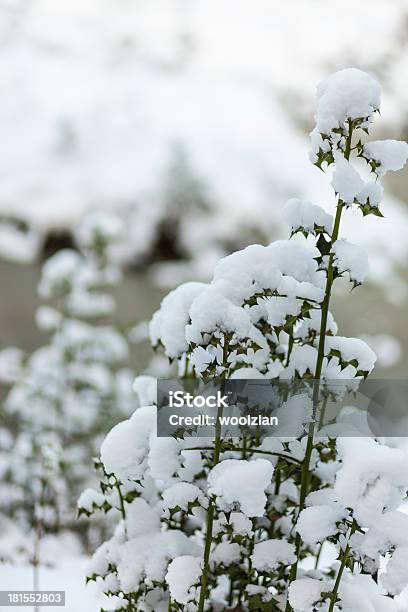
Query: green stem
[[211, 505], [339, 576], [248, 450], [290, 345], [121, 505], [319, 554], [305, 478], [121, 500]]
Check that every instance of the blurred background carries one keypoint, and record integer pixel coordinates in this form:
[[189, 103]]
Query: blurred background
[[189, 120]]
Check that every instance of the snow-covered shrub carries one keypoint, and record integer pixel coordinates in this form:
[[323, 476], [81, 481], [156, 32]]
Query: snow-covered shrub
[[65, 394], [234, 523]]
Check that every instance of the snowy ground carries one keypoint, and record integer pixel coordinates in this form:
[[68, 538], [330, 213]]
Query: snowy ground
[[68, 577]]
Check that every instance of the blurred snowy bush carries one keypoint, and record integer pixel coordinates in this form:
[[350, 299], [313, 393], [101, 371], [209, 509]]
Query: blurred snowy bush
[[64, 394]]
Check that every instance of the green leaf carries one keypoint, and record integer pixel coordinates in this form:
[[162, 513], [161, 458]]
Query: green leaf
[[323, 245]]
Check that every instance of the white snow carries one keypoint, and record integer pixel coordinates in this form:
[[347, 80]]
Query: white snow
[[200, 359], [182, 494], [351, 258], [347, 181], [303, 359], [226, 553], [303, 214], [317, 523], [346, 94], [362, 593], [372, 193], [141, 518], [304, 592], [169, 322], [211, 311], [390, 154], [268, 554], [352, 349], [182, 575], [125, 448], [242, 483], [312, 324], [373, 483], [67, 575], [90, 499], [146, 557], [145, 388], [395, 578]]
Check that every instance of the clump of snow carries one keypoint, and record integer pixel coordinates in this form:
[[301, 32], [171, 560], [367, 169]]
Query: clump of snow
[[242, 483], [311, 325], [145, 388], [256, 268], [201, 358], [124, 450], [389, 154], [304, 593], [89, 499], [169, 322], [372, 193], [141, 518], [317, 523], [293, 415], [183, 575], [268, 554], [226, 553], [361, 592], [146, 557], [181, 495], [395, 578], [301, 214], [247, 272], [389, 532], [373, 483], [240, 523], [164, 457], [347, 182], [303, 360], [351, 258], [352, 349], [346, 94], [211, 311]]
